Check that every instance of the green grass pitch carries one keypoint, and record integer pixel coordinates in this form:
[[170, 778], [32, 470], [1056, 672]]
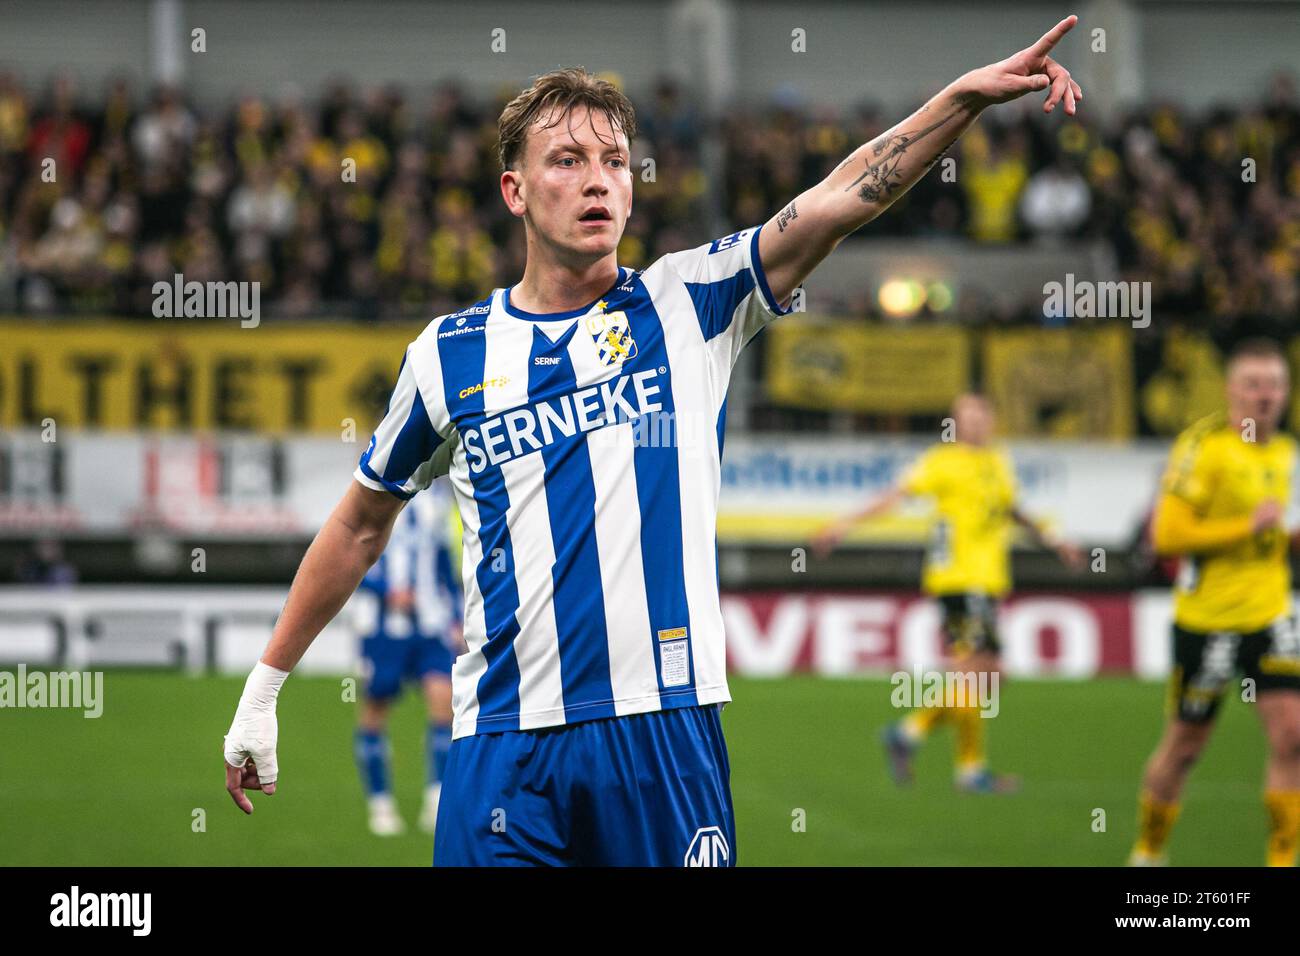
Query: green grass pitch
[[124, 789]]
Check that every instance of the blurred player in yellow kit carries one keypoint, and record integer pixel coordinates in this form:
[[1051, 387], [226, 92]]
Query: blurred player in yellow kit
[[1221, 509], [967, 569]]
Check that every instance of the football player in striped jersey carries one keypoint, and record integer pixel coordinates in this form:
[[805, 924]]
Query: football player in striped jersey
[[580, 415]]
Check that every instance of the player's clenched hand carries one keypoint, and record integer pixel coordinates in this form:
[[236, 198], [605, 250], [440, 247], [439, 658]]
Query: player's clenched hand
[[250, 757], [250, 743], [1026, 72]]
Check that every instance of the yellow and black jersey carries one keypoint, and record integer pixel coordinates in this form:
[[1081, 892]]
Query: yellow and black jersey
[[1244, 585], [974, 490]]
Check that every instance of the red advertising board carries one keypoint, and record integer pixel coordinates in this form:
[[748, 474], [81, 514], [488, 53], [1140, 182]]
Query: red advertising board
[[845, 633]]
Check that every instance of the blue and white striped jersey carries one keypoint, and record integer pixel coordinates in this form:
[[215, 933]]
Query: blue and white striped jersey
[[584, 449], [418, 558]]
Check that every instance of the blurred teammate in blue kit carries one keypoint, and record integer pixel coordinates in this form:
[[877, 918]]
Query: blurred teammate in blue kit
[[408, 615]]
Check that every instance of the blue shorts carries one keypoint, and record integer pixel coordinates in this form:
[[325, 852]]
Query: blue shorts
[[643, 790], [390, 660]]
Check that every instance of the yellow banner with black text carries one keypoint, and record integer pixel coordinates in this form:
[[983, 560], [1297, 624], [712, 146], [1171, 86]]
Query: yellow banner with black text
[[312, 377], [315, 377]]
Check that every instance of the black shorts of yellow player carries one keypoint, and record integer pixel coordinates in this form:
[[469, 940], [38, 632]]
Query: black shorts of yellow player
[[1206, 663], [970, 624]]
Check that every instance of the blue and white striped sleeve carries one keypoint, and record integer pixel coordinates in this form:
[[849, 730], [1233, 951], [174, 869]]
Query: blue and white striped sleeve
[[725, 279], [406, 452]]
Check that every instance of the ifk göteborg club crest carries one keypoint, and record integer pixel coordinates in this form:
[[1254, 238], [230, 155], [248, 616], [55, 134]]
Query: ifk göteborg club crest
[[612, 335]]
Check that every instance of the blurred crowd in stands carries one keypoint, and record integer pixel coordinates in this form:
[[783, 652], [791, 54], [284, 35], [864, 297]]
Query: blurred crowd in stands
[[143, 186], [1170, 191]]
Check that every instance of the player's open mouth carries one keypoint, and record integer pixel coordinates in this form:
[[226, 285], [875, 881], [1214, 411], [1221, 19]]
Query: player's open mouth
[[597, 215]]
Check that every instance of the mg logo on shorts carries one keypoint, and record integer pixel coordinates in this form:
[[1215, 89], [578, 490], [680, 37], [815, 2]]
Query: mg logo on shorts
[[708, 848]]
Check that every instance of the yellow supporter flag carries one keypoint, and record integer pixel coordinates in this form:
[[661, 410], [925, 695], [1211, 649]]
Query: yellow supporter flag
[[849, 366], [301, 377], [1061, 383]]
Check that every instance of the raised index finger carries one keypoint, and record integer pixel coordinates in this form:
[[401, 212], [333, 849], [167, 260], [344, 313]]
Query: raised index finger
[[1053, 36]]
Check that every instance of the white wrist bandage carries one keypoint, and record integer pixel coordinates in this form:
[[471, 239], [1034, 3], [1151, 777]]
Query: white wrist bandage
[[254, 730]]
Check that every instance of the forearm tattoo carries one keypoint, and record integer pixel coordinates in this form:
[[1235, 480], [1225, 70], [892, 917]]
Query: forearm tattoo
[[787, 214], [881, 177]]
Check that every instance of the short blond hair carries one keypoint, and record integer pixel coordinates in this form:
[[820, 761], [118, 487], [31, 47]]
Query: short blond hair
[[556, 94]]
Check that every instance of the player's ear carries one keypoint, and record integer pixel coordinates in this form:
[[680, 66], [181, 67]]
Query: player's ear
[[512, 191]]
